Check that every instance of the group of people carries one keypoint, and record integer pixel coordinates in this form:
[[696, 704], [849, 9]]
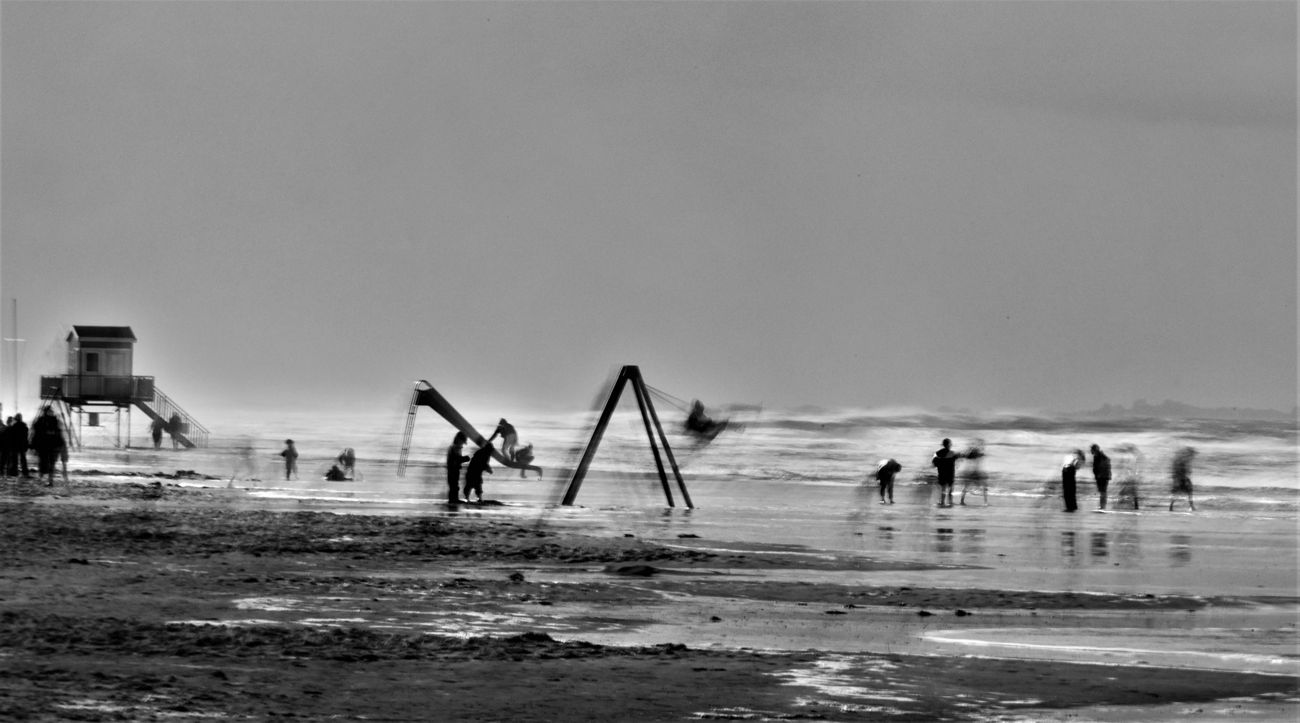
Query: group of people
[[172, 427], [480, 462], [945, 461], [45, 438]]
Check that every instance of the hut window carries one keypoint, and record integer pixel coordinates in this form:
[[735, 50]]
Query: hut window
[[92, 363]]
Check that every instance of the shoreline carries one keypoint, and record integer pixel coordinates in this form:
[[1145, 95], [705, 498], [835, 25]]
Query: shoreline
[[151, 601]]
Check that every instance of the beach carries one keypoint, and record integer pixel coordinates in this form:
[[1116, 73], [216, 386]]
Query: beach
[[152, 595]]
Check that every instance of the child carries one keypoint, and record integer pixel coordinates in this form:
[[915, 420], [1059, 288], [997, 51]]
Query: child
[[885, 475], [290, 455]]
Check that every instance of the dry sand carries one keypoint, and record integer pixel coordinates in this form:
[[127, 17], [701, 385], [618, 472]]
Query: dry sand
[[136, 599]]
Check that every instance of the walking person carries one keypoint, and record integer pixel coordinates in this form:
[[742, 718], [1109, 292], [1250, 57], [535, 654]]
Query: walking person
[[973, 472], [455, 458], [1130, 478], [290, 454], [20, 440], [156, 431], [945, 461], [479, 462], [47, 440], [1181, 472], [1073, 462], [174, 429], [1100, 473], [885, 473]]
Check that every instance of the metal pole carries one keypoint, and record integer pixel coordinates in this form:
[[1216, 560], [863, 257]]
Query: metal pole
[[672, 462], [581, 471], [638, 388]]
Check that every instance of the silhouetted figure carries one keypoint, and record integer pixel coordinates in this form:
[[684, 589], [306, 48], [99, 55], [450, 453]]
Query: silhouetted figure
[[47, 440], [1100, 473], [973, 472], [885, 473], [1069, 469], [290, 454], [524, 456], [243, 462], [1181, 471], [479, 462], [156, 431], [347, 462], [455, 458], [21, 437], [509, 438], [1130, 477], [174, 429], [700, 424], [945, 461], [8, 460]]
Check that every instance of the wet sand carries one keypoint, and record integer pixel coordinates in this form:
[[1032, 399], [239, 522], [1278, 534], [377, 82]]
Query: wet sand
[[138, 598]]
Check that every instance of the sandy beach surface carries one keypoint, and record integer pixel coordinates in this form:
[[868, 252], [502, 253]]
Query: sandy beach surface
[[171, 597]]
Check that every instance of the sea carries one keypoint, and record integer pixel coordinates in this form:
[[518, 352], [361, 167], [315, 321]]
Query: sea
[[801, 481]]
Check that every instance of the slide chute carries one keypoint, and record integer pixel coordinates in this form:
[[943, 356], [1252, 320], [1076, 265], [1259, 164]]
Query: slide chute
[[424, 395]]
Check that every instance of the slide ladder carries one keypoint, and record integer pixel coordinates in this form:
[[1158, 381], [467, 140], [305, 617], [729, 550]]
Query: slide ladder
[[424, 395]]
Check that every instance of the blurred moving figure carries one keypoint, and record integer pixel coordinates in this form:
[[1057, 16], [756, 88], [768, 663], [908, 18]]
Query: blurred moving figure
[[1181, 471], [973, 475], [1130, 476]]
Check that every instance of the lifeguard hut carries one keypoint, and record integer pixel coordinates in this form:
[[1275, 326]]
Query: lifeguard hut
[[100, 376]]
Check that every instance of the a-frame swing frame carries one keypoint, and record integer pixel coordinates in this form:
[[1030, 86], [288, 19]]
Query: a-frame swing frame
[[631, 374]]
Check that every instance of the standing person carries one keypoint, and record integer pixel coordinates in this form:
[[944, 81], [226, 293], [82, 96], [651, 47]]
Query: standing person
[[479, 462], [1182, 477], [47, 439], [945, 461], [21, 436], [290, 454], [174, 429], [1073, 462], [1101, 473], [973, 473], [885, 472], [6, 447], [509, 438], [156, 431], [455, 458]]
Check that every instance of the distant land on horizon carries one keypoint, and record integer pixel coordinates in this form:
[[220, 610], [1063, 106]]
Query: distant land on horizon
[[1171, 408]]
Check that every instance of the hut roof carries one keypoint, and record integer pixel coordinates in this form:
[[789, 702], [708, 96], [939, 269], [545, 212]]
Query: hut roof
[[102, 332]]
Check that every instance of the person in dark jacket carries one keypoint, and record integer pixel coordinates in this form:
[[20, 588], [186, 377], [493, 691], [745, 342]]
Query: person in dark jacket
[[945, 461], [479, 462], [20, 437], [455, 458], [1101, 473], [1069, 468], [47, 440], [885, 474], [7, 458]]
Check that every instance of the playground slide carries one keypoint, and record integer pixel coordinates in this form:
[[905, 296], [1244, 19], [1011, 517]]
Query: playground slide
[[430, 397]]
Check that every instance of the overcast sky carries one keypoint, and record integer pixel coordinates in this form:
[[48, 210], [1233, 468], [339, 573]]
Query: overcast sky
[[987, 205]]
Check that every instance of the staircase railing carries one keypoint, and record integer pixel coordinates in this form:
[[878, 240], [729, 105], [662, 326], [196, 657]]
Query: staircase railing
[[165, 408]]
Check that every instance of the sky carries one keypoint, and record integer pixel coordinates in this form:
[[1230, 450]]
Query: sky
[[981, 205]]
